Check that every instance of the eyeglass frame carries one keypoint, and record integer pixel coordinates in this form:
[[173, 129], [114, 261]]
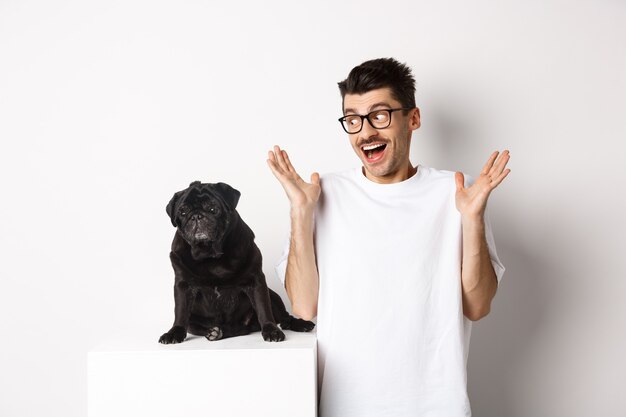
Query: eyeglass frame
[[367, 116]]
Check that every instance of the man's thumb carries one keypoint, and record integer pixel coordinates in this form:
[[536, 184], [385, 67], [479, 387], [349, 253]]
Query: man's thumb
[[315, 178], [459, 179]]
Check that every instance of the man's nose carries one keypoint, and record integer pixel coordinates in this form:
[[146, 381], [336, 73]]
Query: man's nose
[[367, 131]]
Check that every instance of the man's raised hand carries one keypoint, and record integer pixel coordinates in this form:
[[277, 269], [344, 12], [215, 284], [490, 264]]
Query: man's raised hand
[[472, 201], [301, 194]]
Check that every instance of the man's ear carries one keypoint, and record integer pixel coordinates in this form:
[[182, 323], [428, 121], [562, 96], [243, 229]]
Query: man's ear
[[171, 207], [229, 194], [415, 122]]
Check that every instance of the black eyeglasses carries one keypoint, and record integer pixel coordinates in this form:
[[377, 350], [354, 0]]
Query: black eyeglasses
[[378, 119]]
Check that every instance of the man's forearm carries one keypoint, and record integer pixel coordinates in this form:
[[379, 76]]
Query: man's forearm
[[477, 274], [301, 277]]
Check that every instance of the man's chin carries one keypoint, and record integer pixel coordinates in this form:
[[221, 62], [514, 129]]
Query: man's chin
[[375, 170], [382, 173]]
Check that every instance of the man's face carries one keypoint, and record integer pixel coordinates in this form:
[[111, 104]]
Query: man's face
[[391, 160]]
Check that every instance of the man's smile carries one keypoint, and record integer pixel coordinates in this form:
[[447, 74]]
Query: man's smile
[[374, 151]]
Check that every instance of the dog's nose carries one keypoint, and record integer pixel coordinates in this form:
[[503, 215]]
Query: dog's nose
[[197, 217]]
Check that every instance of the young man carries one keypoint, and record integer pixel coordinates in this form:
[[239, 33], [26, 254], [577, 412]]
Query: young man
[[395, 260]]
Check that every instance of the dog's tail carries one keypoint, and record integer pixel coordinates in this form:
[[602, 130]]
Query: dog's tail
[[284, 319]]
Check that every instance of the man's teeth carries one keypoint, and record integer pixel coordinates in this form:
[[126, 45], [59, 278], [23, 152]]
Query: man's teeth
[[370, 147]]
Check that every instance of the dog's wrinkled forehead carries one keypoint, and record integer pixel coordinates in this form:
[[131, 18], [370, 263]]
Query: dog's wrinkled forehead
[[198, 193], [202, 197]]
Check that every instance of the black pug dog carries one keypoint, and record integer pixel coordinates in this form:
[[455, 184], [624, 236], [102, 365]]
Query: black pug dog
[[219, 288]]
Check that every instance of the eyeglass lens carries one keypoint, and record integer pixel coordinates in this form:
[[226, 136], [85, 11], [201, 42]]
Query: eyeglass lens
[[378, 119]]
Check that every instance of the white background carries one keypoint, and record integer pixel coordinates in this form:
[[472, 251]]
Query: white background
[[109, 107]]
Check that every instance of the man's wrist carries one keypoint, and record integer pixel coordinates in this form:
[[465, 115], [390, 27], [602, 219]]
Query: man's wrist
[[473, 221], [302, 212]]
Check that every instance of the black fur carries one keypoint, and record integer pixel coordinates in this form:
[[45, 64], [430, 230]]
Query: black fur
[[219, 287]]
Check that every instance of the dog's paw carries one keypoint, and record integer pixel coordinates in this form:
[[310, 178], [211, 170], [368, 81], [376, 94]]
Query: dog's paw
[[176, 335], [271, 333], [215, 333], [299, 325]]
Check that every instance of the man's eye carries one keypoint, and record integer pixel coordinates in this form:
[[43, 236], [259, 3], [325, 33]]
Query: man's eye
[[380, 116], [354, 120]]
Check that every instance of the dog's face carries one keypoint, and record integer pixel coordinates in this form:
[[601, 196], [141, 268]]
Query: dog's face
[[203, 213]]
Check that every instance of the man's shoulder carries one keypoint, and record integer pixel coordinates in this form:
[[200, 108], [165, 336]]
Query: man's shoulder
[[435, 174], [342, 175], [427, 174], [339, 174]]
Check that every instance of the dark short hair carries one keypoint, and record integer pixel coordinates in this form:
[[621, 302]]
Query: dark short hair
[[381, 73]]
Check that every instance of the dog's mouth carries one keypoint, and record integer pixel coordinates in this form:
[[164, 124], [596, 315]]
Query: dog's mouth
[[202, 242], [206, 249]]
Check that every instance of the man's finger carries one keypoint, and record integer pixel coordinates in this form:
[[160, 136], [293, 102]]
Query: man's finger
[[489, 163], [273, 168], [272, 159], [288, 162], [498, 180], [497, 168], [280, 160], [501, 164], [277, 171], [459, 179]]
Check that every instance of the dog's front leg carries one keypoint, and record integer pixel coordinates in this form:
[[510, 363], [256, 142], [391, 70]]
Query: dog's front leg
[[184, 296], [260, 297], [183, 300]]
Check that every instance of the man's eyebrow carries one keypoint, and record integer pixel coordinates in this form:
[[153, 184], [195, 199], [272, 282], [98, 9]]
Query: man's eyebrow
[[372, 107]]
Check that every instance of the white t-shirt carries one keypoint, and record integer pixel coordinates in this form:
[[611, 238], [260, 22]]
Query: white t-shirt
[[392, 337]]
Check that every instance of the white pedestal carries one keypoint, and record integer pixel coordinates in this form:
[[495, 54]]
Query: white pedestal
[[243, 376]]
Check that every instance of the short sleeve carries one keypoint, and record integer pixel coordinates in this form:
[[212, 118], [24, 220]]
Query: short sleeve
[[281, 266], [498, 267]]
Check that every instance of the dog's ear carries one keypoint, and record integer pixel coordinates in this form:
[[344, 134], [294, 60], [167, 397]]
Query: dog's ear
[[229, 194], [171, 207]]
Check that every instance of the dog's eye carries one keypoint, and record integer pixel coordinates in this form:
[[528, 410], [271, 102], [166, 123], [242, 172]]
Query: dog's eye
[[213, 210]]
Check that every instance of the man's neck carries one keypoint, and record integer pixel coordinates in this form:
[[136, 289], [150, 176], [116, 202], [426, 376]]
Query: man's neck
[[399, 176]]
